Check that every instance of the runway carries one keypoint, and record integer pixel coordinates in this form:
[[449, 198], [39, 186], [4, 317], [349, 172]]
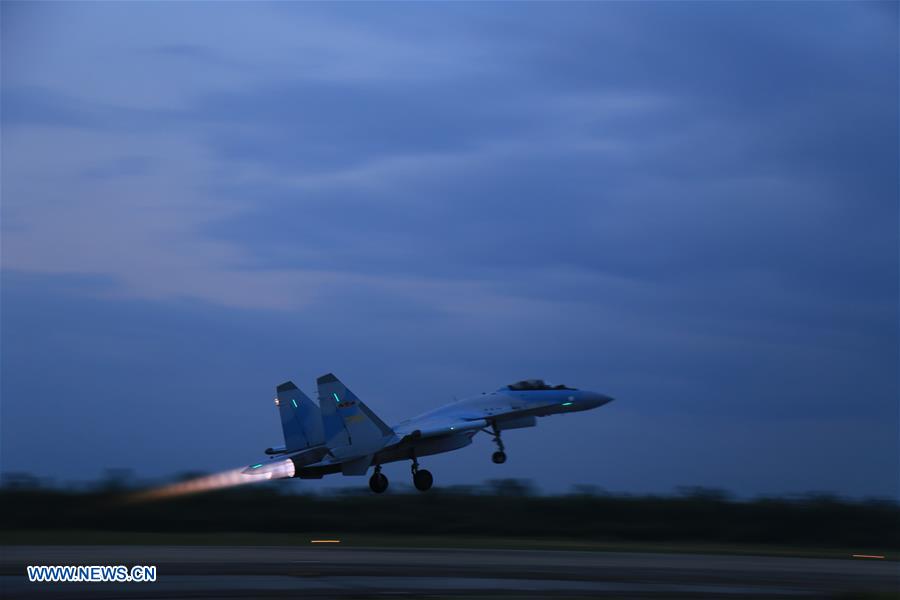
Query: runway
[[335, 571]]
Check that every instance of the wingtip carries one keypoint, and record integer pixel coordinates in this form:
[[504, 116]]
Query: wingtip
[[327, 378]]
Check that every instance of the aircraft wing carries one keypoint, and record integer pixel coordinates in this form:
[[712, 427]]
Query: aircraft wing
[[416, 430]]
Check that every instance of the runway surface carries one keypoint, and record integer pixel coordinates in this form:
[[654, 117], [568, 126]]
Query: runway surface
[[334, 571]]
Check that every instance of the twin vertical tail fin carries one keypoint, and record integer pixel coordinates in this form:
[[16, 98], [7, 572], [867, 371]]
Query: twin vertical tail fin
[[301, 419], [347, 421], [340, 424]]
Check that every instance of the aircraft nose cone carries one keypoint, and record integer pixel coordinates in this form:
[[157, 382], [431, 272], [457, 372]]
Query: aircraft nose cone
[[601, 399]]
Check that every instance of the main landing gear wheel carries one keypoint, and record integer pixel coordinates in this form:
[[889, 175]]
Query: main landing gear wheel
[[378, 482], [423, 480], [499, 457]]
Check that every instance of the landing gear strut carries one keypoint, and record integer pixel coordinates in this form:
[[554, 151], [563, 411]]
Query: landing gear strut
[[499, 457], [422, 478], [378, 482]]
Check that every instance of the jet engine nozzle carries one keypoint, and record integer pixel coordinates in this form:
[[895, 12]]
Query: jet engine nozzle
[[280, 469]]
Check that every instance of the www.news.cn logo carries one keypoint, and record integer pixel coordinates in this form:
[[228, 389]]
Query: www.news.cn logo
[[90, 573]]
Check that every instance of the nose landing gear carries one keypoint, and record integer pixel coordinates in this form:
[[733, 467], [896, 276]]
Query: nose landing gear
[[499, 457], [378, 483], [422, 478]]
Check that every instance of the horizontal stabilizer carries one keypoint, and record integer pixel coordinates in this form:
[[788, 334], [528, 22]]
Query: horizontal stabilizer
[[310, 456]]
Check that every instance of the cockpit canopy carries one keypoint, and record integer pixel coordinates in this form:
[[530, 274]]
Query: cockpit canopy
[[535, 384]]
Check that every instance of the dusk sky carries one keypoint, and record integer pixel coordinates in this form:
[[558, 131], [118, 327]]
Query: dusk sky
[[690, 207]]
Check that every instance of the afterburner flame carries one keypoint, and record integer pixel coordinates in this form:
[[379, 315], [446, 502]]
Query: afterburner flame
[[226, 479], [273, 470]]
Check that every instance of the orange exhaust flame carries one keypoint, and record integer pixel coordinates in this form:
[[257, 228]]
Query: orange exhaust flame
[[208, 483]]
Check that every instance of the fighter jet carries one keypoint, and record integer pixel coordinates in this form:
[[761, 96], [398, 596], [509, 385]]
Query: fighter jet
[[341, 434]]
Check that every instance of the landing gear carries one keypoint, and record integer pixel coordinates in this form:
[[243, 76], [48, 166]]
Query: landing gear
[[378, 482], [422, 478], [499, 457]]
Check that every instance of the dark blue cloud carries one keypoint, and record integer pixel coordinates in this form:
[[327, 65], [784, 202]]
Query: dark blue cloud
[[689, 206]]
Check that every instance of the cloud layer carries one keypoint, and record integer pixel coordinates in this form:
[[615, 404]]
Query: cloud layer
[[691, 207]]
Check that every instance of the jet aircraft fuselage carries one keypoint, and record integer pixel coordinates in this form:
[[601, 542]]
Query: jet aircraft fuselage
[[342, 435]]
